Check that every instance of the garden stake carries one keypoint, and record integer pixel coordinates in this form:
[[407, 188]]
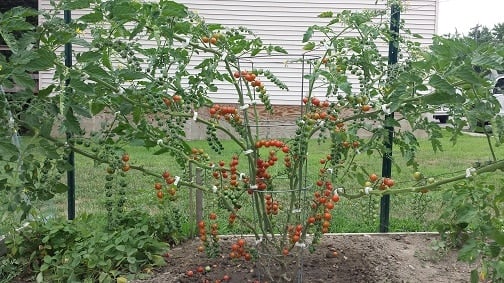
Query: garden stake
[[387, 157]]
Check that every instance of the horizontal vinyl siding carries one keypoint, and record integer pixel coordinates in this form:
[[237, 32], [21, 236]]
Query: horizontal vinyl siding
[[46, 77], [283, 22]]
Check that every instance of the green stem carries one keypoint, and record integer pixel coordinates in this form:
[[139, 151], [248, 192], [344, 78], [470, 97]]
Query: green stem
[[252, 157], [436, 186], [226, 131], [197, 46], [490, 144]]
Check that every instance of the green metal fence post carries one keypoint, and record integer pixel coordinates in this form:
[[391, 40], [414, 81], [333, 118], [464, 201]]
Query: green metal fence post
[[395, 18], [67, 17]]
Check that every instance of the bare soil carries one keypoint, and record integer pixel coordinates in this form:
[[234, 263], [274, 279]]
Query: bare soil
[[338, 258]]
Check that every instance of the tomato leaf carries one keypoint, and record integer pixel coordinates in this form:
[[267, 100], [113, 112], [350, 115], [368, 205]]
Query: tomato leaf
[[126, 108], [71, 123], [10, 40], [309, 46], [93, 17], [161, 151], [467, 75], [89, 56], [8, 149], [173, 9], [40, 277], [327, 14], [81, 111], [499, 269], [106, 60], [308, 34], [60, 188], [97, 107], [81, 42], [345, 87], [486, 60], [44, 59], [130, 75], [212, 88], [125, 10], [46, 91], [215, 26], [279, 49], [255, 51], [24, 80], [75, 4], [138, 28], [81, 87], [444, 94], [96, 73]]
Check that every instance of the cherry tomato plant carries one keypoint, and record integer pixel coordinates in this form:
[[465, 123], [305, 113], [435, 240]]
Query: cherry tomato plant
[[151, 92]]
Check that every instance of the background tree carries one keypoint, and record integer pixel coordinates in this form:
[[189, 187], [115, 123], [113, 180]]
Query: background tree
[[498, 32], [481, 34]]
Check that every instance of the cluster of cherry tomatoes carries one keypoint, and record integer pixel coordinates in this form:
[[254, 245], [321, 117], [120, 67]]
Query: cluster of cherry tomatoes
[[198, 153], [272, 206], [228, 112], [324, 198], [295, 233], [250, 77], [169, 180], [257, 85], [272, 143], [262, 165], [175, 98], [202, 231], [347, 144], [385, 183], [125, 159], [320, 111], [239, 250], [158, 186], [316, 102], [211, 40], [262, 174], [233, 169], [232, 218]]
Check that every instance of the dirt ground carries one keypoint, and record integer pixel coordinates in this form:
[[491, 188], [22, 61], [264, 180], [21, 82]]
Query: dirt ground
[[338, 258]]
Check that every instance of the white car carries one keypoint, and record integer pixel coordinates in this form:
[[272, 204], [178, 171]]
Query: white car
[[498, 93], [442, 113]]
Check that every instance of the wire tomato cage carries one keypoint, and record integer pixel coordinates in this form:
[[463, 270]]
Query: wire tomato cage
[[270, 83]]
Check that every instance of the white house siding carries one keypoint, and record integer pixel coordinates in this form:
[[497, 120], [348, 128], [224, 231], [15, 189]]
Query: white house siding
[[283, 22]]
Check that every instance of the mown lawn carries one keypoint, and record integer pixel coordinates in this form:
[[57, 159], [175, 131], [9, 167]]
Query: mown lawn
[[408, 212]]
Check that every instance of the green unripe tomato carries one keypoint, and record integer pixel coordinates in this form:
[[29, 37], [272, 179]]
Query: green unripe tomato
[[417, 176]]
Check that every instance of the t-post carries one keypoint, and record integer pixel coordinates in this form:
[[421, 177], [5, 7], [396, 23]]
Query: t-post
[[395, 17], [67, 17]]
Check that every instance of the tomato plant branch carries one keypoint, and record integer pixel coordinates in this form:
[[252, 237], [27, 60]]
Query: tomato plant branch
[[196, 46], [490, 146], [499, 165], [226, 131]]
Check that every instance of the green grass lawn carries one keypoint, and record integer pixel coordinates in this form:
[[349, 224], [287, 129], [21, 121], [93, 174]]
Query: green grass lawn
[[408, 212]]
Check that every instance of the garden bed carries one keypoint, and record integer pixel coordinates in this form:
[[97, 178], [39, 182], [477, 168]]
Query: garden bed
[[339, 258]]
